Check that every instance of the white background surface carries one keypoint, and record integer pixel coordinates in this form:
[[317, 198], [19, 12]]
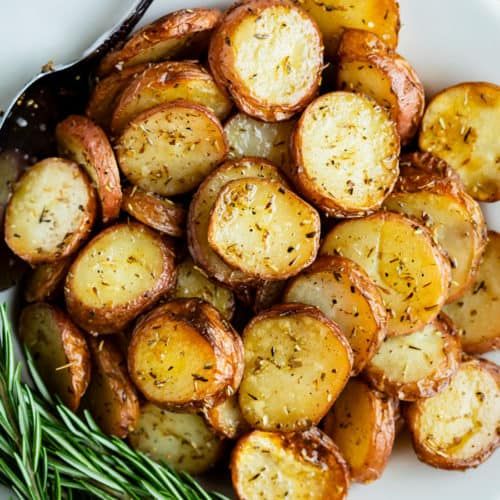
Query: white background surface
[[447, 41]]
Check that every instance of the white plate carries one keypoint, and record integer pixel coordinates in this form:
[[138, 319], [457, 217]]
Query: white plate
[[447, 41]]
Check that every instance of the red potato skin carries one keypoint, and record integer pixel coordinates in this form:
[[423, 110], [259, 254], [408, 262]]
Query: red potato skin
[[37, 290]]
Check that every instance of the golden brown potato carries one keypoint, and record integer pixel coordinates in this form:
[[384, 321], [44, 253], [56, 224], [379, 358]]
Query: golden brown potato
[[460, 126], [368, 66], [362, 425], [81, 140], [335, 16], [184, 355], [264, 229], [477, 312], [182, 440], [178, 34], [59, 350], [267, 294], [192, 282], [345, 154], [400, 256], [171, 148], [51, 211], [431, 192], [458, 428], [201, 207], [247, 136], [226, 418], [121, 272], [417, 365], [167, 82], [111, 398], [268, 54], [46, 280], [292, 346], [296, 465], [342, 291], [155, 211]]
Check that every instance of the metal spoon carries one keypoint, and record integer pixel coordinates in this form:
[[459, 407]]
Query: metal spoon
[[27, 128]]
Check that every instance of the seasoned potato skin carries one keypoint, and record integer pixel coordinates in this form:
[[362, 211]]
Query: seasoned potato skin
[[81, 139], [112, 320], [366, 48], [176, 25], [226, 418], [45, 280], [75, 349], [411, 414]]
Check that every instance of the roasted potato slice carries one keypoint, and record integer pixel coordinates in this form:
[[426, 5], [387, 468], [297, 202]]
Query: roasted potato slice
[[180, 33], [169, 149], [184, 355], [81, 140], [182, 440], [264, 229], [201, 207], [247, 136], [155, 211], [46, 280], [362, 425], [345, 154], [342, 291], [192, 282], [417, 365], [458, 428], [119, 274], [226, 418], [460, 126], [59, 350], [295, 465], [477, 312], [431, 192], [267, 294], [335, 16], [400, 256], [367, 65], [268, 54], [111, 398], [50, 212], [168, 82], [292, 345]]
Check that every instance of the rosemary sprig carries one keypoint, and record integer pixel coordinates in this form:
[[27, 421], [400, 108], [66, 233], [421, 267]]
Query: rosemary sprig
[[49, 453]]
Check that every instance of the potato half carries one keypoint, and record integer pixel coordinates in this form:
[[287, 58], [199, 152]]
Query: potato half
[[168, 82], [296, 465], [46, 280], [362, 425], [192, 282], [292, 345], [59, 350], [335, 16], [155, 211], [458, 428], [460, 126], [184, 355], [476, 313], [268, 54], [111, 397], [345, 152], [81, 140], [121, 272], [247, 136], [50, 212], [180, 33], [400, 256], [182, 440], [201, 208], [267, 294], [368, 66], [226, 418], [343, 292], [417, 365], [171, 148], [264, 229]]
